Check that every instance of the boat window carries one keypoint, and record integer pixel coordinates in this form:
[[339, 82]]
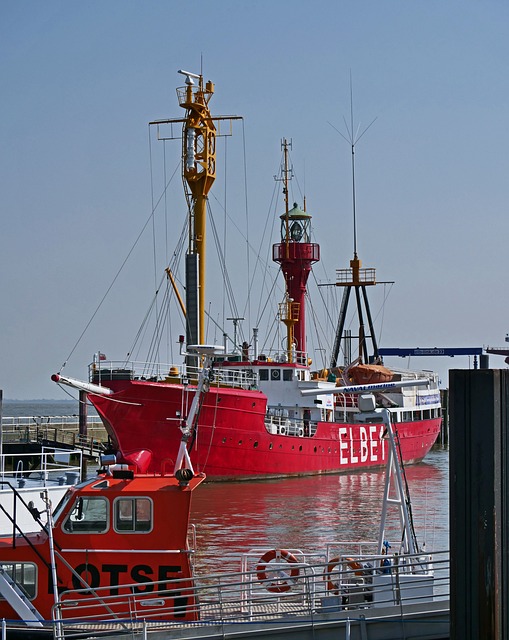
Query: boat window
[[133, 515], [25, 576], [263, 374], [288, 375], [275, 374], [61, 506], [88, 515]]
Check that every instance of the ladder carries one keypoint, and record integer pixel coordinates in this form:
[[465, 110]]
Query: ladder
[[18, 600]]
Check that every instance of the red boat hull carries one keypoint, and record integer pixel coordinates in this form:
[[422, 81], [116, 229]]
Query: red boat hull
[[232, 441]]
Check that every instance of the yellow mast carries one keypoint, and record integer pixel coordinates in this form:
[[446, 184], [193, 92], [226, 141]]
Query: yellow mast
[[199, 172]]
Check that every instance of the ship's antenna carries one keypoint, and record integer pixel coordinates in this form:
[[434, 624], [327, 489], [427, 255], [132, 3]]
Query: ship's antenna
[[352, 139]]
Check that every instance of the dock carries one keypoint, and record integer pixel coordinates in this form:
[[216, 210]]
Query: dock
[[63, 432]]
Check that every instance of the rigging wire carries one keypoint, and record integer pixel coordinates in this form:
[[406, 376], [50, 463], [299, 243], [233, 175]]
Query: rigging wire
[[228, 289], [246, 203], [163, 315], [119, 271], [224, 232], [154, 249]]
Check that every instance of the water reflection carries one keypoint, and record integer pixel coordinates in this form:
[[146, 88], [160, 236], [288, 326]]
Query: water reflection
[[307, 513]]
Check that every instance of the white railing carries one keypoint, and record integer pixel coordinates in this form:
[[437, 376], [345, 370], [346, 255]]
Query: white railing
[[160, 372], [283, 426], [308, 586], [62, 422], [47, 468]]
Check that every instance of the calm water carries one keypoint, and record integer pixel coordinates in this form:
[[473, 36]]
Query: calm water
[[307, 513], [300, 513]]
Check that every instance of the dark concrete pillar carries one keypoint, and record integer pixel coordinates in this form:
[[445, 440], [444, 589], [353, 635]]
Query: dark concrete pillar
[[479, 505]]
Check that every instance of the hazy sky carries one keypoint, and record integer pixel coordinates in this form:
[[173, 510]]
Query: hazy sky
[[81, 80]]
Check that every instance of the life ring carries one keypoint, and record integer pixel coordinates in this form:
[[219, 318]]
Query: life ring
[[279, 583], [350, 564], [355, 566]]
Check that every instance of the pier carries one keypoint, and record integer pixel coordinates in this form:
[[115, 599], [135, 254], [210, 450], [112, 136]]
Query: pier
[[62, 432]]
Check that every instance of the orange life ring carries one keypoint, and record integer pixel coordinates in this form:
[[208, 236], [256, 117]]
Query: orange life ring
[[277, 584], [355, 566], [350, 563], [331, 586]]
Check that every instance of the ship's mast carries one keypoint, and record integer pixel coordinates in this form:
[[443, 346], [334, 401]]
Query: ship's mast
[[295, 253], [198, 173], [356, 278]]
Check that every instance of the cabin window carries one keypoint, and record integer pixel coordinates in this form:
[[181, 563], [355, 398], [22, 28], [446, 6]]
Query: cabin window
[[288, 375], [275, 374], [25, 576], [263, 374], [133, 515], [88, 515]]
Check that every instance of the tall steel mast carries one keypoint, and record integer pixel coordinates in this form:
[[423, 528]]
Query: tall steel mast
[[198, 173]]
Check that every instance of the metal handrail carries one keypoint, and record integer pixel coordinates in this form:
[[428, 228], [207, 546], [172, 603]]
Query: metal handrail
[[70, 421], [46, 469], [50, 433], [244, 597]]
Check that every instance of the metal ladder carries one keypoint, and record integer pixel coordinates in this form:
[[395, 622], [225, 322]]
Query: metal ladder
[[10, 590]]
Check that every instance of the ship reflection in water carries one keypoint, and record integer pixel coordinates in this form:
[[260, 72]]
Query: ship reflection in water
[[307, 513]]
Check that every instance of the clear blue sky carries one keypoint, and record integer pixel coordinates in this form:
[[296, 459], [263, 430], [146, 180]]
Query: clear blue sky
[[81, 80]]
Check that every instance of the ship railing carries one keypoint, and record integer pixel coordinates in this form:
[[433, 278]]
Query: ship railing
[[283, 426], [61, 422], [265, 593], [54, 436], [365, 276], [280, 356], [104, 372], [51, 466]]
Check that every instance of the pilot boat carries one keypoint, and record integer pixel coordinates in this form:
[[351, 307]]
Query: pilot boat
[[115, 556]]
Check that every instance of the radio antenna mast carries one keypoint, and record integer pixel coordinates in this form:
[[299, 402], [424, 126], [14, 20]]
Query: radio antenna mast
[[352, 138]]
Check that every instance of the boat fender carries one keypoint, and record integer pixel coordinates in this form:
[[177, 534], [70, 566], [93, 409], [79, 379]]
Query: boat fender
[[280, 582]]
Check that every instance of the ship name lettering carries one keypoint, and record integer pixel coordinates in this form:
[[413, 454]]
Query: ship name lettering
[[370, 444], [109, 574], [353, 458], [342, 446]]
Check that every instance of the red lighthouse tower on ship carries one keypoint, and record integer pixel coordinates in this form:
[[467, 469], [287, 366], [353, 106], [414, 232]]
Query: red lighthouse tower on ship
[[295, 253]]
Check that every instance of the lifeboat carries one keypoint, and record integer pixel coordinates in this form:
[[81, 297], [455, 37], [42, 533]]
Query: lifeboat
[[370, 374]]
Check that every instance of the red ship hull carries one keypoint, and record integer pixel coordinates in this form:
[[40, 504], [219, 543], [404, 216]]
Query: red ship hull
[[232, 440]]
